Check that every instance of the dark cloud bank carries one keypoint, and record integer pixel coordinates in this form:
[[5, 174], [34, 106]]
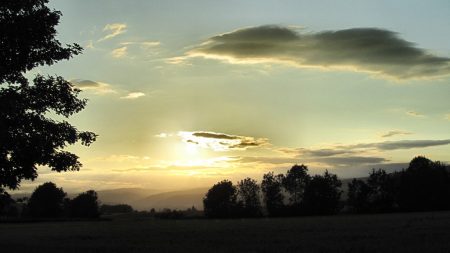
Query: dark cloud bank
[[374, 50]]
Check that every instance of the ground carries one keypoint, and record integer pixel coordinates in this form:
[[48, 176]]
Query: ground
[[412, 232]]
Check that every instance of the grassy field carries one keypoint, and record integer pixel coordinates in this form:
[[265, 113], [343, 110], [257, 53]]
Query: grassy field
[[413, 232]]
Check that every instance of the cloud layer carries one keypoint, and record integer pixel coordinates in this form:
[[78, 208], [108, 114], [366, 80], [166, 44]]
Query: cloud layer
[[394, 133], [373, 50], [221, 141], [113, 30], [96, 87], [133, 95]]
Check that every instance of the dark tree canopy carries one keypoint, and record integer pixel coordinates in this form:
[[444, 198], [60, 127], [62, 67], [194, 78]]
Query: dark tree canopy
[[271, 187], [47, 201], [424, 185], [28, 137], [221, 200], [358, 196], [249, 197], [295, 183], [85, 205], [119, 208], [322, 194], [29, 39]]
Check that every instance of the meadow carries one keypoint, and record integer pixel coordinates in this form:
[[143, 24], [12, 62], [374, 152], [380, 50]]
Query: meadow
[[411, 232]]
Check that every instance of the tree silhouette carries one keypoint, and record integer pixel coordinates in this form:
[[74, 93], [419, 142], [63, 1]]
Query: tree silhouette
[[47, 201], [120, 208], [249, 195], [322, 194], [85, 205], [358, 196], [295, 183], [382, 191], [7, 207], [376, 194], [28, 137], [221, 200], [271, 187], [424, 185]]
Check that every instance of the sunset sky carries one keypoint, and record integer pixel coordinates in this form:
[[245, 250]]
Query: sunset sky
[[186, 93]]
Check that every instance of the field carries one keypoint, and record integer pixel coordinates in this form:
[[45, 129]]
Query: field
[[413, 232]]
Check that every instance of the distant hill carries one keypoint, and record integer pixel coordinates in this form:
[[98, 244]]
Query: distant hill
[[124, 195], [174, 200]]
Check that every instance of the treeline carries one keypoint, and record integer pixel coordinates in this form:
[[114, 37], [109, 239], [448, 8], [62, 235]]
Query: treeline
[[48, 201], [423, 186]]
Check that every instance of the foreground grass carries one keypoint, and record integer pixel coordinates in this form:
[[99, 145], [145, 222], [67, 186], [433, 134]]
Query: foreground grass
[[413, 232]]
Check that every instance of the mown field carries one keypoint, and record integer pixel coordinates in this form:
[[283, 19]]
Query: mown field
[[413, 232]]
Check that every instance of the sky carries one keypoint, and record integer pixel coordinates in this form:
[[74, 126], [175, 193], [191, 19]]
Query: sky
[[184, 94]]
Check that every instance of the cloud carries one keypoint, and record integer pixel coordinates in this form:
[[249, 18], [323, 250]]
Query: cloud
[[377, 51], [354, 154], [221, 141], [326, 152], [347, 161], [215, 135], [447, 116], [113, 30], [415, 114], [409, 144], [119, 52], [133, 95], [269, 160], [146, 44], [90, 45], [394, 133], [360, 148], [96, 87], [163, 135]]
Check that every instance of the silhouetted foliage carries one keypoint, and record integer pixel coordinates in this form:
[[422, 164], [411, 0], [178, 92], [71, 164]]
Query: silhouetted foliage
[[28, 137], [358, 196], [47, 201], [221, 201], [295, 183], [377, 194], [424, 185], [322, 194], [382, 191], [8, 206], [167, 213], [111, 209], [271, 187], [85, 205], [249, 196]]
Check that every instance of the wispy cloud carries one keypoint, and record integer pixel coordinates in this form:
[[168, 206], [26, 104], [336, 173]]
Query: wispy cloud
[[415, 114], [147, 44], [221, 141], [94, 86], [377, 51], [90, 45], [394, 133], [119, 52], [363, 148], [133, 95], [447, 116], [355, 154], [406, 144], [113, 30], [163, 135]]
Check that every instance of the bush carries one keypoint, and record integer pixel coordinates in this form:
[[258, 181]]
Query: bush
[[85, 205]]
